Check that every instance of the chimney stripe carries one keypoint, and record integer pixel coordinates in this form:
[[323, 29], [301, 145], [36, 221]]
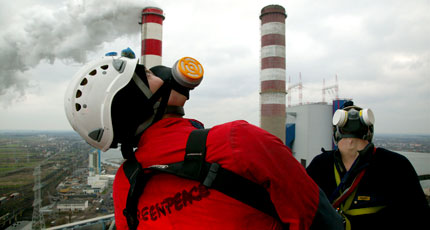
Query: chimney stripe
[[152, 18], [273, 98], [273, 62], [273, 51], [273, 18], [153, 47], [152, 60], [273, 39], [272, 74], [273, 86], [273, 28], [272, 110], [153, 31]]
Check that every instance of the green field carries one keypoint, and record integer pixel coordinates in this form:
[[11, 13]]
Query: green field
[[16, 166], [13, 158]]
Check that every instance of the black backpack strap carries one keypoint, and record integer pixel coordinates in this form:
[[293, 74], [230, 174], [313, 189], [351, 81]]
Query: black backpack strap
[[195, 154], [137, 179]]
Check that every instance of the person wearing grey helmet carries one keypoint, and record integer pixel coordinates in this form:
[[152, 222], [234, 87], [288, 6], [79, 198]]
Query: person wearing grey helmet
[[372, 188]]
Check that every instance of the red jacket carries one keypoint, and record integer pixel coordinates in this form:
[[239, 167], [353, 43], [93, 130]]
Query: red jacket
[[170, 202]]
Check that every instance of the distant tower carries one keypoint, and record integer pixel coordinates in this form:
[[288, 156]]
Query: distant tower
[[94, 166], [152, 36], [272, 75], [91, 168]]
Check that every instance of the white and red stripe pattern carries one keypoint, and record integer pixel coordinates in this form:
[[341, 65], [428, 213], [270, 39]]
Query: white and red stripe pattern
[[272, 75], [152, 36]]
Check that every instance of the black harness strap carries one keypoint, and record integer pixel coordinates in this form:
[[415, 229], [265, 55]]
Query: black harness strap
[[211, 175], [137, 179], [195, 154]]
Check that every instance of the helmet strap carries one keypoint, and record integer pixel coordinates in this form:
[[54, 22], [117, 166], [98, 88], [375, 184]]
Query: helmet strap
[[159, 107], [142, 85]]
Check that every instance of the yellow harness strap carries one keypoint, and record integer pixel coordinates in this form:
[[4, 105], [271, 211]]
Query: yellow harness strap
[[344, 208]]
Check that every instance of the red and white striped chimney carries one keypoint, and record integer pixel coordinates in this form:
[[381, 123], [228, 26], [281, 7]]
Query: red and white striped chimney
[[152, 36], [272, 75]]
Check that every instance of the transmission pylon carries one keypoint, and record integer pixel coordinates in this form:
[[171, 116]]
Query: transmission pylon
[[334, 87], [292, 86], [38, 222]]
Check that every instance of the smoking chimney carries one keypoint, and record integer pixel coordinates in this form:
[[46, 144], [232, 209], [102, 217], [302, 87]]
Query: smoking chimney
[[272, 75], [152, 36]]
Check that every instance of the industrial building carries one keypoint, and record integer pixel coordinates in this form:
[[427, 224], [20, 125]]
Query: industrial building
[[97, 181], [309, 128], [72, 205], [94, 163]]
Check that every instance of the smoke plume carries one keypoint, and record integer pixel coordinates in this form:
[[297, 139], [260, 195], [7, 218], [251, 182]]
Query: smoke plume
[[68, 33]]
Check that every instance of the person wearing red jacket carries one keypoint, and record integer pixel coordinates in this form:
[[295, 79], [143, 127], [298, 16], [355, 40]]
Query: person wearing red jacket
[[115, 101]]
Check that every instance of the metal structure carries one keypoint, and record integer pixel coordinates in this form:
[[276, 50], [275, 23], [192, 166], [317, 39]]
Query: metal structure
[[293, 86], [329, 89], [272, 75], [38, 222], [152, 36], [102, 222]]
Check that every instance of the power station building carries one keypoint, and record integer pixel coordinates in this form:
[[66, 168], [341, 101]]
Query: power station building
[[309, 128]]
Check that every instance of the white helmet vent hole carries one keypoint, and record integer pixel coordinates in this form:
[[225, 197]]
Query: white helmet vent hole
[[92, 73], [78, 107], [78, 93], [104, 67], [84, 81]]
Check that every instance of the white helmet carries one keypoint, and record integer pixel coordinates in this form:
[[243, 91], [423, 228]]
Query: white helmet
[[89, 97]]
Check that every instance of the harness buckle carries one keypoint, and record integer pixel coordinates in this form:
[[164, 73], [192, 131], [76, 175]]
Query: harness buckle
[[213, 171]]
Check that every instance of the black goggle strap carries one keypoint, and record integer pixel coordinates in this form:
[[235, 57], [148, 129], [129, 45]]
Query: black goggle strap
[[148, 122], [165, 94], [175, 110]]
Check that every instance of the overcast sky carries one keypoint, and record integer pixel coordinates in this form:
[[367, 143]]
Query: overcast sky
[[380, 51]]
